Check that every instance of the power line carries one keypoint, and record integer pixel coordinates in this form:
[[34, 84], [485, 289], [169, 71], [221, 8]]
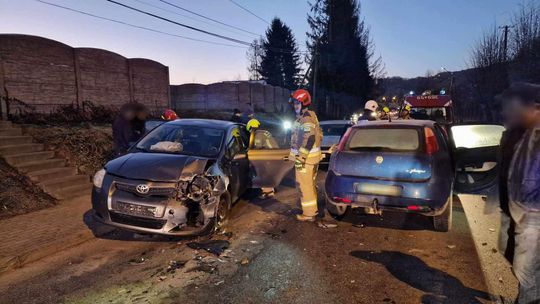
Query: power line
[[208, 18], [181, 24], [250, 12], [137, 26]]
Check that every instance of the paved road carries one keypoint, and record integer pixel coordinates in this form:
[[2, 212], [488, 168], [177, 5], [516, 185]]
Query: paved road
[[367, 259]]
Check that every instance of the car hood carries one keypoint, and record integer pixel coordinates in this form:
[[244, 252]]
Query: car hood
[[156, 166]]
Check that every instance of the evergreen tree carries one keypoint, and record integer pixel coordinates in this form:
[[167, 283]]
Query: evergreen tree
[[344, 63], [279, 60]]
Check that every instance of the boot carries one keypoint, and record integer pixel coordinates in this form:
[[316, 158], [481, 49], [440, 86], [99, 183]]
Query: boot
[[305, 218]]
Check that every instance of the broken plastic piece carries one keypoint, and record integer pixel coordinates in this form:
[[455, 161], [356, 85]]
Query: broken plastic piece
[[213, 246]]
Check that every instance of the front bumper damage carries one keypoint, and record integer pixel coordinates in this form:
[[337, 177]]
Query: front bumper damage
[[186, 207]]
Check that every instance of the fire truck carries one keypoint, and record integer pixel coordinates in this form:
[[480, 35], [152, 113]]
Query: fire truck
[[431, 107]]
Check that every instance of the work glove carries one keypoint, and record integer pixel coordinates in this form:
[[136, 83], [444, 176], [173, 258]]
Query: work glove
[[299, 162]]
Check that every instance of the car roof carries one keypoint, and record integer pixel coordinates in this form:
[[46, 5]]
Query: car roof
[[335, 122], [397, 122], [210, 123]]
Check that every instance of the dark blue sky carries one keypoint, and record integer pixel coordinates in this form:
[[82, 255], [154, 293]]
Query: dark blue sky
[[412, 36]]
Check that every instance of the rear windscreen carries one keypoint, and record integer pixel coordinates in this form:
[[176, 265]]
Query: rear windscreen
[[334, 130], [384, 139]]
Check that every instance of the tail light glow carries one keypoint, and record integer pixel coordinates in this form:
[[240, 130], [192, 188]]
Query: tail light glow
[[431, 141]]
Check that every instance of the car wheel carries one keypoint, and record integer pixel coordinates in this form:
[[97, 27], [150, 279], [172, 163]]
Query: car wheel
[[337, 212], [222, 212], [443, 222]]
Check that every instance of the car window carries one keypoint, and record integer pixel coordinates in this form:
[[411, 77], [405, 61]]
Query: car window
[[180, 139], [384, 139], [334, 129], [476, 136], [265, 140]]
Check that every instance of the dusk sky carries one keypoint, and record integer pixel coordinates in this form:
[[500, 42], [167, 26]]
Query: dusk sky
[[412, 36]]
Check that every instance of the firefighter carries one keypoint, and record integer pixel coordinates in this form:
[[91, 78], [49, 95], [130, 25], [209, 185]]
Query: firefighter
[[261, 139], [169, 115], [370, 110], [306, 153], [405, 112]]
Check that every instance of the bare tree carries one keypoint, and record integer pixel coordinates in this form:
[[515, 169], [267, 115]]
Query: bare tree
[[254, 55], [489, 74], [525, 43]]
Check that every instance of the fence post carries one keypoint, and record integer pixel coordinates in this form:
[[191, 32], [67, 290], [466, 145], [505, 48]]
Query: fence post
[[3, 108]]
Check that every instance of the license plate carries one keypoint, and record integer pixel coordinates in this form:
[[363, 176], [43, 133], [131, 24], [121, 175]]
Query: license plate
[[132, 209], [366, 188]]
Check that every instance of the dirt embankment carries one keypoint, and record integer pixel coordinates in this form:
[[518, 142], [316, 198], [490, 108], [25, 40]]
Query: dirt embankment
[[18, 195], [86, 147]]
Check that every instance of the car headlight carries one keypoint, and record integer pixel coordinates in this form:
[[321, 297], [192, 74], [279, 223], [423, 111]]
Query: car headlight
[[98, 178], [287, 125]]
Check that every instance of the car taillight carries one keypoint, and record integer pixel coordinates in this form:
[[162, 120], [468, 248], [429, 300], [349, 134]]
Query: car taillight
[[431, 141], [344, 139], [342, 200]]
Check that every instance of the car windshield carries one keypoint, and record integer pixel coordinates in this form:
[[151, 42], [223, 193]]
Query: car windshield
[[334, 129], [179, 139], [384, 139], [435, 114]]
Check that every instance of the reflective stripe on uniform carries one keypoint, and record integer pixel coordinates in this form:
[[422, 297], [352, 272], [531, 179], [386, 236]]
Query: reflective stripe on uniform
[[309, 203], [313, 150]]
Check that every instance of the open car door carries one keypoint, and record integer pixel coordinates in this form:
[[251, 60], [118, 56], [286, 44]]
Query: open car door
[[268, 159], [475, 148]]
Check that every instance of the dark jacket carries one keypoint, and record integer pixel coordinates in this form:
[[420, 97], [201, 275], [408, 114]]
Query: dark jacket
[[122, 135], [367, 115], [509, 140]]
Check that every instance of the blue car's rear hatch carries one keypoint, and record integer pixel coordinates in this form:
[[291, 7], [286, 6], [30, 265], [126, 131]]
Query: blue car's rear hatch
[[389, 153]]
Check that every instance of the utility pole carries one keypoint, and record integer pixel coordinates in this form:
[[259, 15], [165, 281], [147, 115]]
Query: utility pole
[[505, 29]]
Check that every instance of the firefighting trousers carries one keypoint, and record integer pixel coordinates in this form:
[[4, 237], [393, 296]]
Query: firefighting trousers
[[305, 183]]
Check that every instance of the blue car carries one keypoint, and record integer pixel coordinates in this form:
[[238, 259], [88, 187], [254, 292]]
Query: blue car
[[410, 166]]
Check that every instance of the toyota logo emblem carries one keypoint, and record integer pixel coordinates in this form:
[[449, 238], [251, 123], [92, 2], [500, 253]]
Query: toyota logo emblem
[[143, 189]]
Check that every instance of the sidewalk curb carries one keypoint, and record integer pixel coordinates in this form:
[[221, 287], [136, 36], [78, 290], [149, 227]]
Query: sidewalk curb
[[36, 235], [17, 261]]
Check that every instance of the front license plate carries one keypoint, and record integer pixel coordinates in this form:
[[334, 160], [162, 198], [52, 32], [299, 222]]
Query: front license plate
[[132, 209], [366, 188]]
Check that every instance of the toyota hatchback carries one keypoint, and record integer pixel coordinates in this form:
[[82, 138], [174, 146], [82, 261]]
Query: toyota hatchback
[[410, 166]]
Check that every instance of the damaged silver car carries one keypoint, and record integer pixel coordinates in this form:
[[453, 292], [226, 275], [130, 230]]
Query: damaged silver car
[[183, 177]]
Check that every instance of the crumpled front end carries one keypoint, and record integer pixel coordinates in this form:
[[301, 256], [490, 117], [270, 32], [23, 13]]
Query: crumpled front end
[[185, 207]]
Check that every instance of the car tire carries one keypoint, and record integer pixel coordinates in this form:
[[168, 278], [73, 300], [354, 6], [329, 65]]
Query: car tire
[[443, 222], [336, 212], [222, 213]]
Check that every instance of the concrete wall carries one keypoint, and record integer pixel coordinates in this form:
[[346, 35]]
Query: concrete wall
[[41, 72], [225, 96]]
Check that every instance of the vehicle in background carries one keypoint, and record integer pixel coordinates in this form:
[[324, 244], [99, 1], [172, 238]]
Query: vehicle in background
[[183, 176], [431, 107], [332, 131], [410, 166]]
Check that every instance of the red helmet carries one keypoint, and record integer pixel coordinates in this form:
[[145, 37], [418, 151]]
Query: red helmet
[[169, 115], [302, 96]]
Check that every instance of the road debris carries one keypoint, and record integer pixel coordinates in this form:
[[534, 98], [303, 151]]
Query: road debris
[[219, 283], [359, 225], [326, 225], [492, 229], [137, 261], [244, 261], [213, 246], [451, 246], [173, 265]]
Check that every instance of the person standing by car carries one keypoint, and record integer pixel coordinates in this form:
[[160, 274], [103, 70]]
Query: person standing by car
[[139, 121], [370, 111], [523, 101], [405, 112], [261, 139], [237, 116], [306, 152], [169, 115], [122, 129]]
